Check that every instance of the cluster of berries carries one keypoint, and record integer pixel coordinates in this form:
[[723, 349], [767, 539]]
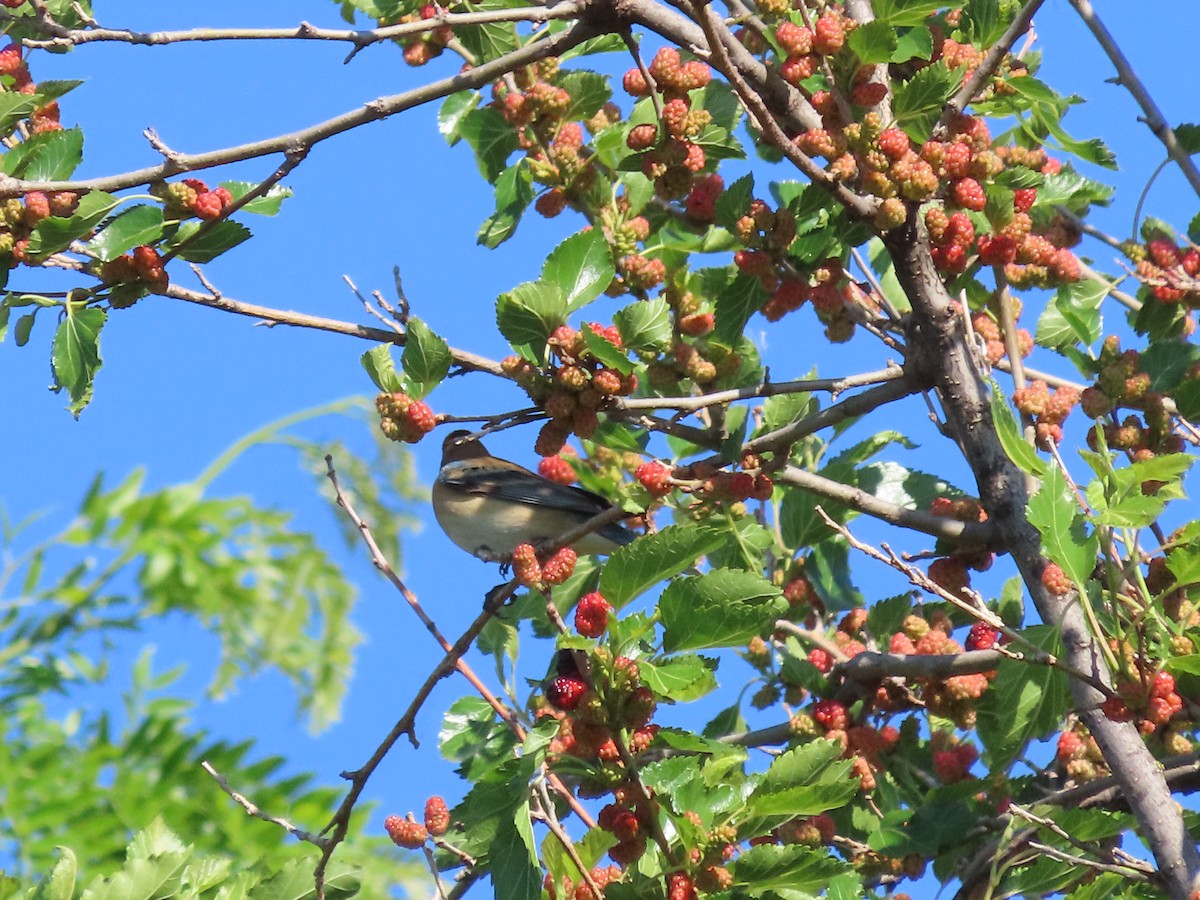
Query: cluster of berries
[[421, 48], [1150, 699], [591, 712], [1171, 272], [1048, 410], [671, 156], [602, 877], [142, 265], [14, 76], [407, 832], [986, 325], [952, 572], [18, 218], [402, 418], [804, 49], [532, 571], [1121, 383], [1078, 752], [952, 698], [575, 386], [191, 197]]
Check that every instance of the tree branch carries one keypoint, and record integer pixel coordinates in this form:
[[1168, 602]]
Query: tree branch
[[1128, 78], [306, 138]]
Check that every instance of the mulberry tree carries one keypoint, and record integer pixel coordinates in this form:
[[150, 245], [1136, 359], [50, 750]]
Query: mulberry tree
[[982, 670]]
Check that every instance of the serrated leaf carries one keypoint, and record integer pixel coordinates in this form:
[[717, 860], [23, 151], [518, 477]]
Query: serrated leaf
[[1025, 701], [721, 608], [734, 201], [1073, 315], [917, 103], [681, 678], [828, 569], [527, 316], [1055, 514], [766, 869], [268, 204], [906, 12], [874, 42], [606, 352], [381, 369], [514, 192], [515, 870], [14, 107], [637, 567], [75, 353], [735, 305], [492, 139], [1009, 433], [644, 324], [915, 43], [581, 266], [219, 238], [134, 227], [56, 232], [451, 113], [49, 156], [589, 91], [426, 358]]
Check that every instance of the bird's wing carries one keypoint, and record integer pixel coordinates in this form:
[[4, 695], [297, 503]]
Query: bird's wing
[[519, 485]]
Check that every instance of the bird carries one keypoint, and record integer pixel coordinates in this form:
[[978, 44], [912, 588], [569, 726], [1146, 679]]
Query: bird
[[489, 506]]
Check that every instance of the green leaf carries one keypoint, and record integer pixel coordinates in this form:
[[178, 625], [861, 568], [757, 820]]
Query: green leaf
[[142, 224], [451, 113], [875, 42], [514, 192], [49, 156], [722, 608], [1025, 701], [1073, 315], [492, 139], [644, 324], [828, 568], [637, 567], [218, 238], [681, 678], [581, 266], [606, 351], [486, 40], [1009, 432], [268, 204], [381, 368], [516, 872], [917, 103], [527, 316], [426, 358], [56, 233], [915, 43], [1057, 517], [23, 328], [881, 262], [60, 883], [1187, 136], [75, 354], [987, 20], [766, 869], [13, 108], [906, 12], [734, 201], [589, 91], [735, 305], [1093, 150]]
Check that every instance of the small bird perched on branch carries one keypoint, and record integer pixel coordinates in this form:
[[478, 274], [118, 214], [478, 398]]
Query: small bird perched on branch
[[489, 506]]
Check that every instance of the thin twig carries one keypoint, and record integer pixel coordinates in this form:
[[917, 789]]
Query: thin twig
[[1153, 117]]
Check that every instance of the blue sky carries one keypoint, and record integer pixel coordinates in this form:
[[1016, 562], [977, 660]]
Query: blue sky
[[181, 383]]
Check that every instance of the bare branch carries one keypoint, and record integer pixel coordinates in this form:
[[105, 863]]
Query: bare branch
[[1153, 117], [306, 138], [986, 69]]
